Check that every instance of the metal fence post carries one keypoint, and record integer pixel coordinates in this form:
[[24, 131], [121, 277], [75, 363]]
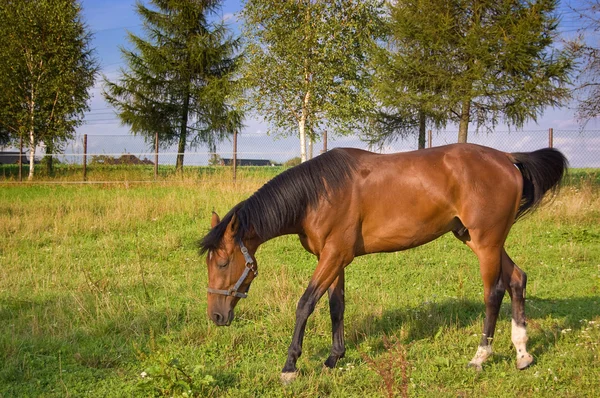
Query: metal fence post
[[156, 156], [84, 157], [235, 133], [550, 138], [429, 139]]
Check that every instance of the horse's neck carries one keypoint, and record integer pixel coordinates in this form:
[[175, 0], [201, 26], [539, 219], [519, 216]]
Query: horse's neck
[[255, 241]]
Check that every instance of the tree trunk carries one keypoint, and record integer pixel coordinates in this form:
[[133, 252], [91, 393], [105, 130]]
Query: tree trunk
[[302, 127], [181, 150], [31, 154], [31, 140], [304, 115], [49, 159], [463, 127], [310, 147], [182, 134], [422, 126]]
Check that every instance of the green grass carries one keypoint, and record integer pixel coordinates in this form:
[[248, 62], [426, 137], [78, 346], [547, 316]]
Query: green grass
[[135, 173], [101, 284]]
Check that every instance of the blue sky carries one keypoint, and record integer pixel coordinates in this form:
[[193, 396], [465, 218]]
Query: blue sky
[[110, 20]]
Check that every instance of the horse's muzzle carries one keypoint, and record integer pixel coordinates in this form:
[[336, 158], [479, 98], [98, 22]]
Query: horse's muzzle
[[221, 319]]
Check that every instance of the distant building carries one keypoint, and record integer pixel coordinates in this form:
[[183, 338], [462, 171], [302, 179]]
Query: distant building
[[248, 162], [12, 158]]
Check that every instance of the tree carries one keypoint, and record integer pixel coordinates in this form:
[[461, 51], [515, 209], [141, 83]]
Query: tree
[[180, 78], [407, 85], [588, 48], [475, 60], [46, 69], [307, 64]]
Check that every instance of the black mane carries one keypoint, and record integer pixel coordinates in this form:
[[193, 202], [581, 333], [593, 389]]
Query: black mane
[[283, 201]]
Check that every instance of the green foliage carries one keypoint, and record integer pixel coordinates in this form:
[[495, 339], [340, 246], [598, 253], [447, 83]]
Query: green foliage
[[292, 162], [472, 61], [307, 63], [125, 159], [180, 77], [46, 69], [165, 376]]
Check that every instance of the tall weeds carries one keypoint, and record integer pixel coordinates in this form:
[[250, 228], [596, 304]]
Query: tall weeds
[[388, 364]]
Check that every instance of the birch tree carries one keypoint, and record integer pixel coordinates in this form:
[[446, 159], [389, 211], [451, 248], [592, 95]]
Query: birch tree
[[46, 69], [306, 64]]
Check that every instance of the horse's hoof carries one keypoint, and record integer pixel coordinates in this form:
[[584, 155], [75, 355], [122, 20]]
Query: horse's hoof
[[288, 377], [474, 365], [524, 361], [330, 362]]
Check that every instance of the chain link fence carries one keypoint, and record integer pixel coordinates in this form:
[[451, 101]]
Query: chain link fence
[[95, 158]]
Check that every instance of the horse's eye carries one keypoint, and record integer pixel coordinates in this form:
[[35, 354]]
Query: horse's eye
[[221, 262]]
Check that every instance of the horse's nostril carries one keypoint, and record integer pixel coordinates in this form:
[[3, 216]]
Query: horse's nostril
[[218, 318]]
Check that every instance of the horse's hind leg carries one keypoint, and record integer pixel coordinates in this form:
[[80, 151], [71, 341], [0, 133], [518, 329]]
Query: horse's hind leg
[[493, 292], [516, 279], [336, 310]]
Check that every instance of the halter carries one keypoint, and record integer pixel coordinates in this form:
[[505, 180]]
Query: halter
[[233, 291]]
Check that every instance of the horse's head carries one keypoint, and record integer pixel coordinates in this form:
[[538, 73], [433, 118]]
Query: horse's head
[[231, 269]]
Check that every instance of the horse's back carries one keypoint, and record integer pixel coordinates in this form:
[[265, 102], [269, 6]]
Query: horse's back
[[408, 199]]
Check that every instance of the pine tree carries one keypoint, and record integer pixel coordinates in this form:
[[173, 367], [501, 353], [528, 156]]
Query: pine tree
[[179, 83], [406, 84], [475, 60], [46, 69]]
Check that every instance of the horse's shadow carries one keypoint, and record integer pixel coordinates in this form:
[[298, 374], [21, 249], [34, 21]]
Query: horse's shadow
[[429, 319]]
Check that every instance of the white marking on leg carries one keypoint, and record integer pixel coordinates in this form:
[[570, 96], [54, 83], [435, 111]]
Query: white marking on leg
[[519, 339], [518, 336], [288, 377], [483, 353]]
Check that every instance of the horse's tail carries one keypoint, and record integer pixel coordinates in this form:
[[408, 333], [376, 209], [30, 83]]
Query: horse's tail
[[542, 171]]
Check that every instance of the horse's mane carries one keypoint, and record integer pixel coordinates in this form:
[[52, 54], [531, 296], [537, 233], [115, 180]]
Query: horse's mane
[[284, 201]]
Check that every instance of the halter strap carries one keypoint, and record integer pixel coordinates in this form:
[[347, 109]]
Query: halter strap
[[233, 291]]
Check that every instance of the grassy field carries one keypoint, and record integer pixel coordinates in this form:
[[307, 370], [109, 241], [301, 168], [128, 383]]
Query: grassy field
[[102, 293], [73, 173]]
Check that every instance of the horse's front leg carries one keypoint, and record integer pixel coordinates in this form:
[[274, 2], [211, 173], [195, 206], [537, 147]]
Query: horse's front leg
[[329, 267], [336, 310]]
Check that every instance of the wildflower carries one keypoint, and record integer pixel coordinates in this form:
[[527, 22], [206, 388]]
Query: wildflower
[[143, 374]]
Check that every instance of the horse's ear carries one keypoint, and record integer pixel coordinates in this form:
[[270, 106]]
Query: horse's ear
[[232, 227], [215, 219]]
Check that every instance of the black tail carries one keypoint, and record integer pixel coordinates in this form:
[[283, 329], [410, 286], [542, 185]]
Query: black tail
[[542, 171]]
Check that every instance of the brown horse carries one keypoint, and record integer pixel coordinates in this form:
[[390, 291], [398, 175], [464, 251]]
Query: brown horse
[[349, 202]]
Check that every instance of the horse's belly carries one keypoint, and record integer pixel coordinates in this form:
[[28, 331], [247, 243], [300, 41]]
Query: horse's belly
[[393, 236]]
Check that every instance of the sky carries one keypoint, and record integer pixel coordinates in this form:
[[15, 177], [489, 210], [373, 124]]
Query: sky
[[110, 20]]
